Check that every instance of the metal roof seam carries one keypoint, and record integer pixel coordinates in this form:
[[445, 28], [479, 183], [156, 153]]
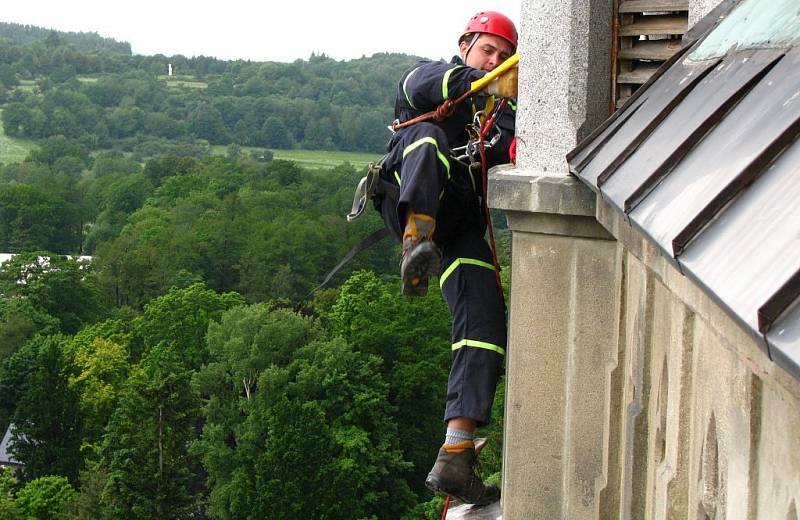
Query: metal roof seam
[[749, 174], [636, 95], [654, 123], [692, 140], [591, 155], [778, 303]]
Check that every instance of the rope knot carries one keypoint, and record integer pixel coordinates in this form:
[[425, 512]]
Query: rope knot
[[445, 110]]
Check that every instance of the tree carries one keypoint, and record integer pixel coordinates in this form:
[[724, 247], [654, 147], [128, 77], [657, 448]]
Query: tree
[[101, 368], [150, 473], [100, 356], [110, 163], [8, 77], [337, 398], [412, 337], [320, 134], [16, 118], [19, 322], [279, 400], [8, 509], [246, 342], [44, 410], [53, 39], [164, 166], [180, 319], [33, 219], [46, 498], [146, 259], [234, 151], [206, 122], [275, 134], [61, 287], [88, 505], [114, 198]]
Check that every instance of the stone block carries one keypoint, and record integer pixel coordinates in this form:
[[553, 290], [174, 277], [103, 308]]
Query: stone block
[[558, 375]]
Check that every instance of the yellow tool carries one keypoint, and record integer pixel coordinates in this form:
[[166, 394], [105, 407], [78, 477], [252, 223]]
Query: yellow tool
[[499, 71]]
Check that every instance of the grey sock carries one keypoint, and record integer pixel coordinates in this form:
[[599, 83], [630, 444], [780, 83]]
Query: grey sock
[[455, 436]]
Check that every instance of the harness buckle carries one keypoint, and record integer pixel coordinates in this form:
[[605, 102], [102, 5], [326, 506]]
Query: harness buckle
[[366, 190]]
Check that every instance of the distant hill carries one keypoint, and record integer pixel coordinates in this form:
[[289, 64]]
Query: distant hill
[[109, 100], [82, 41]]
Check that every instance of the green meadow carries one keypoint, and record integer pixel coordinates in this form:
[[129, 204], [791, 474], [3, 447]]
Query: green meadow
[[313, 158], [12, 149]]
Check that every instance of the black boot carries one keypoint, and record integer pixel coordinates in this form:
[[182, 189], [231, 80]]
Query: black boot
[[421, 257], [454, 474]]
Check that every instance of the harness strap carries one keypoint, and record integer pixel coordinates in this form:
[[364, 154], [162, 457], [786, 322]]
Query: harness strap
[[366, 242]]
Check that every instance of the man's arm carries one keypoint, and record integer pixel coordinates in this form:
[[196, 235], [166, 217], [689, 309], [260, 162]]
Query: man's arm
[[427, 85]]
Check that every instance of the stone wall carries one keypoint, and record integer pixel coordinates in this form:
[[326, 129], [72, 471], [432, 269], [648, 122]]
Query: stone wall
[[631, 394]]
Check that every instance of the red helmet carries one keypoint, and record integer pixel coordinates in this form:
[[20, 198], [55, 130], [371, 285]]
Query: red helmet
[[492, 22]]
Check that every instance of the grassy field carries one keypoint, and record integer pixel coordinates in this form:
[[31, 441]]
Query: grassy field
[[314, 158], [183, 81], [26, 85], [11, 149]]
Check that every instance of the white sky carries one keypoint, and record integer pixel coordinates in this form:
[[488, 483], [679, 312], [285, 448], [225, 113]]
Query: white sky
[[261, 30]]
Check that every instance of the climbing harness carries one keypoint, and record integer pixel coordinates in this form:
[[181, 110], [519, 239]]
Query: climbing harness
[[368, 187]]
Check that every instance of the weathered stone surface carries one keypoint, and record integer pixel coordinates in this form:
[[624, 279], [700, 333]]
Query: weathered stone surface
[[516, 189], [700, 8], [564, 69], [558, 375], [631, 393]]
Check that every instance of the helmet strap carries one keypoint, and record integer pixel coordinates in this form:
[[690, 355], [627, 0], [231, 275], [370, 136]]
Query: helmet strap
[[471, 43]]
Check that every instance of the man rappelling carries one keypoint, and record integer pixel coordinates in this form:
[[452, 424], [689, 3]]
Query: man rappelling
[[447, 133]]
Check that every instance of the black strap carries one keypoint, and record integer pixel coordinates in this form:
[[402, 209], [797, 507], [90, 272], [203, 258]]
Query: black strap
[[367, 241], [389, 188]]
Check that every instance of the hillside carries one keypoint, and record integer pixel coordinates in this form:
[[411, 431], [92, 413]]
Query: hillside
[[82, 41], [110, 100]]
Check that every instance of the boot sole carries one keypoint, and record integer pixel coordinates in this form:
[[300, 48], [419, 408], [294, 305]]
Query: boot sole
[[421, 264], [436, 485]]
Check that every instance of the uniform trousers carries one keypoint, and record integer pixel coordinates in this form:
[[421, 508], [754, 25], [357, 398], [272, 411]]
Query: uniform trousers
[[431, 182]]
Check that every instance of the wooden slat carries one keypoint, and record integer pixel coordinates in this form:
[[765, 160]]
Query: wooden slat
[[656, 25], [642, 6], [639, 75], [651, 50]]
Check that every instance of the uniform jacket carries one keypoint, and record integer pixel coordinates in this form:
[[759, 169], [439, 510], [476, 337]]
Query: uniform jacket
[[425, 85]]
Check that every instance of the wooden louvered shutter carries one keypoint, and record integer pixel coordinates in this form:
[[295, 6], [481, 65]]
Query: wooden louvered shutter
[[647, 33]]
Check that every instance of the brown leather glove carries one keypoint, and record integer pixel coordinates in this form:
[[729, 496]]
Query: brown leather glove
[[505, 85]]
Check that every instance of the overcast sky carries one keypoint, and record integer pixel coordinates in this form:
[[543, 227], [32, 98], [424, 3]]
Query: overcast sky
[[262, 30]]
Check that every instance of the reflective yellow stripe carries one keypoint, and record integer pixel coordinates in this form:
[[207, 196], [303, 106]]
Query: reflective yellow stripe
[[445, 80], [397, 176], [428, 140], [512, 105], [405, 84], [459, 261], [479, 344]]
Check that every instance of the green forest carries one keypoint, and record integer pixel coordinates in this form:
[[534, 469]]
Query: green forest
[[165, 352], [109, 99]]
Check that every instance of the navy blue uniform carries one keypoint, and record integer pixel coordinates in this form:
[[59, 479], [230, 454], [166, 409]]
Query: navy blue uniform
[[419, 160]]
